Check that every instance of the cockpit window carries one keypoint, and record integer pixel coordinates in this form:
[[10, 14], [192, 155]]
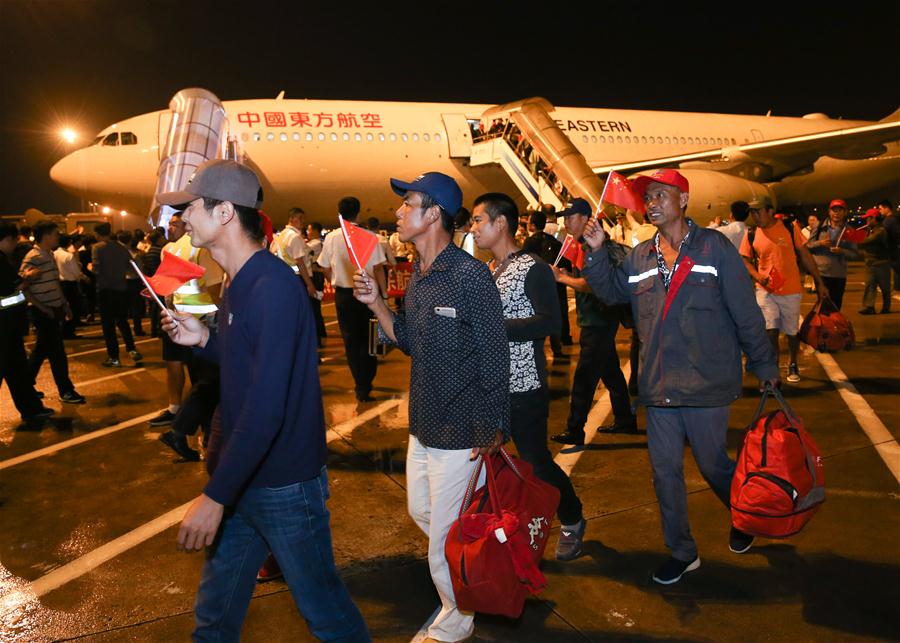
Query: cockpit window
[[111, 139], [97, 140], [128, 138]]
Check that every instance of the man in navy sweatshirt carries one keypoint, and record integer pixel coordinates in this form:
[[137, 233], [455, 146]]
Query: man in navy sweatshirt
[[268, 485]]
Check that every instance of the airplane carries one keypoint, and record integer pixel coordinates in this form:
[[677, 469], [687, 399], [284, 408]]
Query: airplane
[[310, 153]]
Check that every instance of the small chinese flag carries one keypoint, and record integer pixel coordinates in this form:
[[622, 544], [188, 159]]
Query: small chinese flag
[[173, 273], [854, 235], [619, 191], [360, 243], [776, 280], [572, 251]]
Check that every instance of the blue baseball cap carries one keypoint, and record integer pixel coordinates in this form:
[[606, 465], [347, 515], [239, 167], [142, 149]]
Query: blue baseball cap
[[440, 187], [577, 206]]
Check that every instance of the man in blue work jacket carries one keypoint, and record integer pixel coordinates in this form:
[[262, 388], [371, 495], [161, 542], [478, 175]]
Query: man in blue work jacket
[[695, 311]]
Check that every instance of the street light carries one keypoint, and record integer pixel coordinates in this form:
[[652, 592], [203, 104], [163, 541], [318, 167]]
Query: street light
[[68, 135], [105, 209]]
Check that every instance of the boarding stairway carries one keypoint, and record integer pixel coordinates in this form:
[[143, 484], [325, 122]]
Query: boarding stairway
[[539, 158]]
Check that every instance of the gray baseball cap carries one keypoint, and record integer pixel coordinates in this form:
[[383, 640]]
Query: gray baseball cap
[[218, 179]]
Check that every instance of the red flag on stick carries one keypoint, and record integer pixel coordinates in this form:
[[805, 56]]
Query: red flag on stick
[[173, 273], [572, 251], [360, 243], [853, 235], [619, 191]]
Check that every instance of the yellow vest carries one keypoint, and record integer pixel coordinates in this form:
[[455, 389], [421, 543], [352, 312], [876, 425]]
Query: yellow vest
[[192, 297]]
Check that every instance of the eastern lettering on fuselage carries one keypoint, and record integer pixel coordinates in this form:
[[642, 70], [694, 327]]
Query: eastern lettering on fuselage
[[343, 120], [594, 126]]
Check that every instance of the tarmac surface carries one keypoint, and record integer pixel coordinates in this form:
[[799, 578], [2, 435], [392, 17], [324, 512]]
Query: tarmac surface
[[90, 503]]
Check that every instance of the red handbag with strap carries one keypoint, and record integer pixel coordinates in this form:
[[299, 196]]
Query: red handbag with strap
[[826, 329], [779, 483], [495, 546]]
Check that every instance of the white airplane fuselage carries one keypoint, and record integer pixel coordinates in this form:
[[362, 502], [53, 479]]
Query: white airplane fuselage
[[310, 153]]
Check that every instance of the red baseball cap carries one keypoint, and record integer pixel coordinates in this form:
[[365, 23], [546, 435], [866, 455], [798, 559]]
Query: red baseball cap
[[667, 177], [871, 212], [837, 203]]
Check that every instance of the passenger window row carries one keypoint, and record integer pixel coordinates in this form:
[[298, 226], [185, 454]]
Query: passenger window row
[[345, 136], [660, 140]]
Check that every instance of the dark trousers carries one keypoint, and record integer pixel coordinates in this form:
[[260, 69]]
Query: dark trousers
[[562, 295], [114, 314], [878, 276], [318, 279], [14, 369], [705, 429], [598, 361], [136, 304], [73, 296], [528, 423], [201, 402], [49, 345], [836, 287], [353, 318]]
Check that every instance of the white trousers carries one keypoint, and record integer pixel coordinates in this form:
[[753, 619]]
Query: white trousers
[[436, 482]]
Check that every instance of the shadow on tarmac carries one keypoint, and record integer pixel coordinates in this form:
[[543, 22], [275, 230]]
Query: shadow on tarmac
[[848, 595]]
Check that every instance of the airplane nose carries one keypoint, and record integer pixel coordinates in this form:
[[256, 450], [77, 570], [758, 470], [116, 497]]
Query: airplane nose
[[65, 173]]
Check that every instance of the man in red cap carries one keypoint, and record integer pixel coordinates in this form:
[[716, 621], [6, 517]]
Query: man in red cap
[[876, 251], [831, 249], [771, 252], [693, 304]]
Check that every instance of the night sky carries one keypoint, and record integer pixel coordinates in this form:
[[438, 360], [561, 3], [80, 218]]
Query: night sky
[[88, 63]]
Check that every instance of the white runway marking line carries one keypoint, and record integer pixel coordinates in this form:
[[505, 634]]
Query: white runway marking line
[[93, 559], [881, 438], [130, 371], [102, 350], [342, 431], [422, 634], [568, 459], [87, 437]]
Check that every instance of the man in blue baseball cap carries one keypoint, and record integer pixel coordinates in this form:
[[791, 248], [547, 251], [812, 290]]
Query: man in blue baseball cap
[[452, 327]]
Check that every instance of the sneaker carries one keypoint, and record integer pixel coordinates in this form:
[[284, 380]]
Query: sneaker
[[568, 437], [269, 571], [793, 374], [738, 541], [570, 542], [72, 397], [137, 357], [671, 571], [867, 311], [40, 415], [885, 311], [178, 443], [164, 418], [110, 362]]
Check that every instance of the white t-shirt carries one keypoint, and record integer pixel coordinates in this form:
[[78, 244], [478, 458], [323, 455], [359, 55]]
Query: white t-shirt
[[735, 232], [294, 244], [335, 256], [67, 263]]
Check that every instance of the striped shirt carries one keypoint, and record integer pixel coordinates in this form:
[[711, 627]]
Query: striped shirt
[[45, 289]]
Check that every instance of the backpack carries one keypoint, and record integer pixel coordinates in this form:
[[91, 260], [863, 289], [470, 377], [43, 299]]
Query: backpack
[[779, 483]]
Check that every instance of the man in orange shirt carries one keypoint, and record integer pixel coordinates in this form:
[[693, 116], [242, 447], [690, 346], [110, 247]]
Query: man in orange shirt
[[771, 253]]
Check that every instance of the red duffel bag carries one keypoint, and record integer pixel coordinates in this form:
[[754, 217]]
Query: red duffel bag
[[779, 483], [826, 329], [495, 546]]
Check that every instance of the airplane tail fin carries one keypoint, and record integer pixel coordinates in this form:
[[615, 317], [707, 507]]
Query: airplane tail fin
[[893, 117]]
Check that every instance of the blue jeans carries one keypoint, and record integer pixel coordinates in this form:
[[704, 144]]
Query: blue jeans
[[293, 523]]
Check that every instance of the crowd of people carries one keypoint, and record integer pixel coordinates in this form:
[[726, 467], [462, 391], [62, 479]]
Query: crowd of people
[[251, 326]]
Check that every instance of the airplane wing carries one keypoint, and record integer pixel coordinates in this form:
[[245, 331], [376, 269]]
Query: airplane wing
[[781, 156]]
